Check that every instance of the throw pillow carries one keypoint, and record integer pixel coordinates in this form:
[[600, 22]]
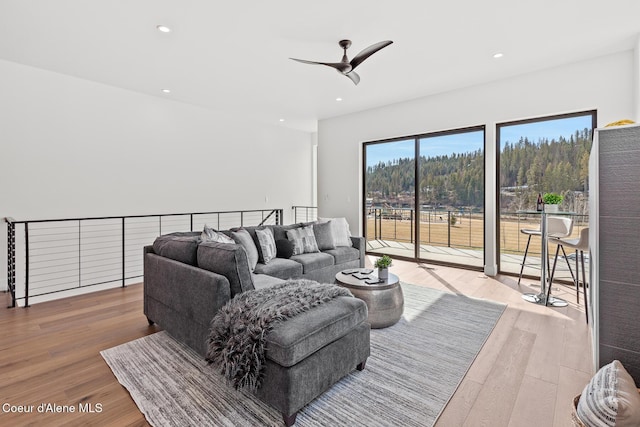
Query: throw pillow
[[243, 238], [303, 240], [324, 235], [267, 244], [285, 248], [181, 247], [610, 399], [211, 235], [340, 231]]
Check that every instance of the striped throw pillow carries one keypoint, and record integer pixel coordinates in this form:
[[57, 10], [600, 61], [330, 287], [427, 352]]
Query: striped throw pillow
[[303, 240], [267, 244], [610, 399]]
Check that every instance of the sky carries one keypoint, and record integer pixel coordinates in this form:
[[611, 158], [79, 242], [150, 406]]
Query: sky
[[429, 147], [472, 141], [551, 129]]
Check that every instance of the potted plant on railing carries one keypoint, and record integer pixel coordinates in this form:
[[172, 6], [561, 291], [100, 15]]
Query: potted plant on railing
[[382, 264], [551, 201]]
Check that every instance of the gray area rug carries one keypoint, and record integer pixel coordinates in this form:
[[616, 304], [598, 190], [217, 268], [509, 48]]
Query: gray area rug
[[414, 369]]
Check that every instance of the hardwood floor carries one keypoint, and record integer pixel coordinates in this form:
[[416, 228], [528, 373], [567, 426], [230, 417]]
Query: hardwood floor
[[533, 364]]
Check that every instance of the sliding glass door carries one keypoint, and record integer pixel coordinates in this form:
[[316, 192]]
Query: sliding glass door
[[538, 156], [452, 197], [390, 197], [429, 209]]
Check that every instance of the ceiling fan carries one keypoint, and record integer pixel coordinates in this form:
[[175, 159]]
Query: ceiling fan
[[346, 67]]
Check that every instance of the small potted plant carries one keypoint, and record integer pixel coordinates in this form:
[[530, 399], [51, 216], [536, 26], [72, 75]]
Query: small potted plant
[[551, 201], [382, 264]]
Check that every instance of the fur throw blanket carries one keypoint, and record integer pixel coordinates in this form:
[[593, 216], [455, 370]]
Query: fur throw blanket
[[238, 333]]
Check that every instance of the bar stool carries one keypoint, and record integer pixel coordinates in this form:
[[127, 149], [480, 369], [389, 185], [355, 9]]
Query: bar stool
[[557, 227], [580, 245]]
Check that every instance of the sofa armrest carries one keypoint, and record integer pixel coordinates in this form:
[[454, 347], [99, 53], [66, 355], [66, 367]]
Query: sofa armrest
[[228, 260], [360, 244], [192, 292]]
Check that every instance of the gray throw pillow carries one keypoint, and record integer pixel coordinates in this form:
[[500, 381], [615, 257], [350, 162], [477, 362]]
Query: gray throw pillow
[[340, 230], [285, 248], [211, 235], [303, 239], [324, 236], [267, 244], [178, 246], [243, 238]]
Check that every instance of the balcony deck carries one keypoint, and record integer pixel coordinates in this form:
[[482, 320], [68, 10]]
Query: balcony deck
[[509, 262]]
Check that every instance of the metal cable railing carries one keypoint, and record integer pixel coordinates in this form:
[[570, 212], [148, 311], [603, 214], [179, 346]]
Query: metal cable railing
[[57, 255], [305, 213], [462, 228], [439, 227]]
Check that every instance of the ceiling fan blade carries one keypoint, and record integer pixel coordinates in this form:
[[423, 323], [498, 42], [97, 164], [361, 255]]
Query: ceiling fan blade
[[342, 67], [355, 78], [367, 52]]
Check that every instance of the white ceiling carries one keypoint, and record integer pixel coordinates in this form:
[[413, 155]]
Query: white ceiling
[[233, 56]]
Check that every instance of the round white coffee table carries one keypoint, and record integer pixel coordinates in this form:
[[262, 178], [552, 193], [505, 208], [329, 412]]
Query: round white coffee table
[[384, 300]]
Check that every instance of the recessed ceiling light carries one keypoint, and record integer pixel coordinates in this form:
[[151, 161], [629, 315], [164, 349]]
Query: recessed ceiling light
[[282, 120], [498, 55], [166, 90], [338, 99], [163, 28]]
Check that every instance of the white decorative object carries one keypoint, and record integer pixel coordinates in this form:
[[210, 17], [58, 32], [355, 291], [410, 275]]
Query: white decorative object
[[383, 273], [551, 208]]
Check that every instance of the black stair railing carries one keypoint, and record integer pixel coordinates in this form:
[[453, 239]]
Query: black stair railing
[[58, 255]]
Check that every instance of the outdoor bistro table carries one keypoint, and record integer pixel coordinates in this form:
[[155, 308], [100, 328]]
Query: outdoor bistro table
[[541, 298]]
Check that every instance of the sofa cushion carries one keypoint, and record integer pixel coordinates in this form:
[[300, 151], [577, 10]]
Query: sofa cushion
[[181, 247], [303, 239], [229, 260], [243, 238], [344, 254], [297, 338], [280, 268], [314, 261], [267, 245], [284, 248], [263, 281], [324, 235]]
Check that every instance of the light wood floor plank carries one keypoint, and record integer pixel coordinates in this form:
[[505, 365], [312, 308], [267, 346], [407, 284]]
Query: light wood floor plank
[[571, 383], [535, 404], [460, 404], [485, 361], [495, 401]]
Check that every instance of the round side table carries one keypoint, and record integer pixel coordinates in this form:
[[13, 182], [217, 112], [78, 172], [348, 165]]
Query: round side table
[[384, 300]]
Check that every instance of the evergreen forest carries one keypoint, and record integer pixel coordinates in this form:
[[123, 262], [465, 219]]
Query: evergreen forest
[[457, 180]]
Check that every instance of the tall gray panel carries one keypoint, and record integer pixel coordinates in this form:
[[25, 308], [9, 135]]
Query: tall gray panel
[[617, 223]]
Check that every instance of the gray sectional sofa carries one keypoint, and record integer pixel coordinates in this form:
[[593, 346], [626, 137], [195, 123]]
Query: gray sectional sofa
[[187, 280]]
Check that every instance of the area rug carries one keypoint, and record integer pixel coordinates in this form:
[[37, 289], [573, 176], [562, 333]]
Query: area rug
[[414, 369]]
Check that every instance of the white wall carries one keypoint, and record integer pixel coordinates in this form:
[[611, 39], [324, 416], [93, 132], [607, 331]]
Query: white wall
[[604, 83], [75, 148]]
